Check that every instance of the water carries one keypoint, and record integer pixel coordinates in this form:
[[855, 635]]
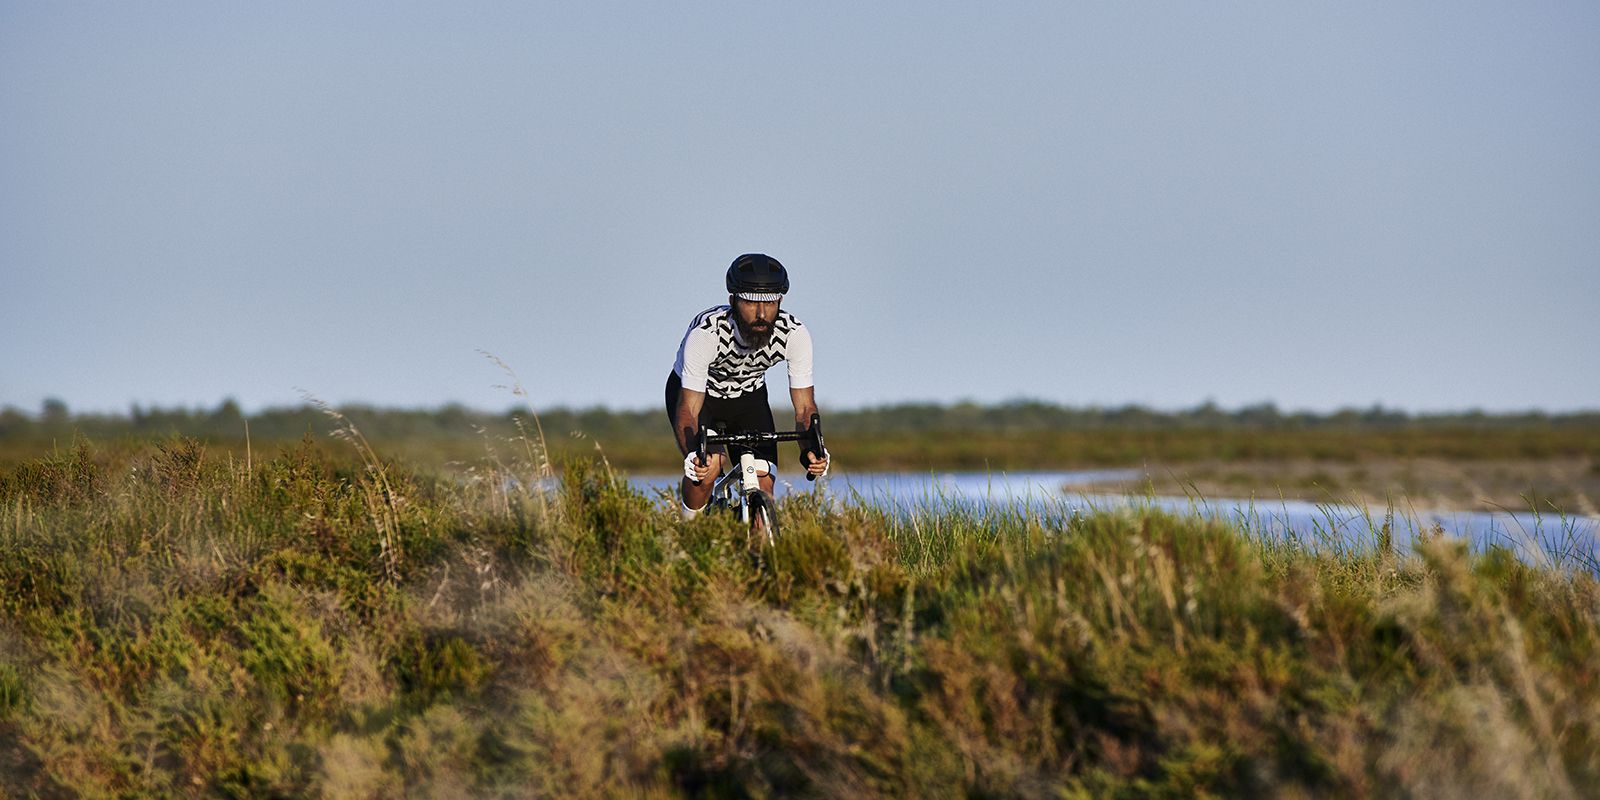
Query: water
[[1536, 538]]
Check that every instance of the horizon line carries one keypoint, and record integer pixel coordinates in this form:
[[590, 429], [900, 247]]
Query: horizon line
[[134, 407]]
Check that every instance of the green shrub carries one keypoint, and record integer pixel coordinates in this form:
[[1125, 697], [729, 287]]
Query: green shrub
[[287, 653], [13, 690], [428, 668], [71, 478]]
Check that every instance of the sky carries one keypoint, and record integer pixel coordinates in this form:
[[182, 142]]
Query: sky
[[1319, 205]]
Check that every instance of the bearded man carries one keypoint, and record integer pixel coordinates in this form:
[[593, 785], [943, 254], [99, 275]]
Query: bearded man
[[720, 376]]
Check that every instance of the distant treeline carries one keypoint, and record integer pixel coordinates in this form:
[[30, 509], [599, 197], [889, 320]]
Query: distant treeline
[[911, 436], [1034, 415], [228, 421]]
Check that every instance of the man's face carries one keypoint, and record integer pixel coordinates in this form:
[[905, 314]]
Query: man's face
[[754, 320]]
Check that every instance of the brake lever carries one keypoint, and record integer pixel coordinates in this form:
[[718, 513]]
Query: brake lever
[[700, 453], [816, 440]]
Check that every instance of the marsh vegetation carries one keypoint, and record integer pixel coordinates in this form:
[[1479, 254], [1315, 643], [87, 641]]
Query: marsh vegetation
[[180, 619]]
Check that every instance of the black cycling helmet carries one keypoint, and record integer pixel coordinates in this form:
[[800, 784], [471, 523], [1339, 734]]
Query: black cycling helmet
[[754, 273]]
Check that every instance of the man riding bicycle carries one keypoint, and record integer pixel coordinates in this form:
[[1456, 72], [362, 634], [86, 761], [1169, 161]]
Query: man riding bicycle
[[720, 375]]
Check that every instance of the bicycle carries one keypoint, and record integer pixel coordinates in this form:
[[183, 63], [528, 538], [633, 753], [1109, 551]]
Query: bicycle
[[740, 489]]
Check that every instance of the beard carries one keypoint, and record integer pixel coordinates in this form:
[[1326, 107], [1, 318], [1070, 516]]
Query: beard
[[756, 338]]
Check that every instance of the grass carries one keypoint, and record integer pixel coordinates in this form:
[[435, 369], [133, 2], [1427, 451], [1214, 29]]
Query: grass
[[179, 622]]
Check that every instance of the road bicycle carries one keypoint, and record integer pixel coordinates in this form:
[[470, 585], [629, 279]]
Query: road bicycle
[[740, 490]]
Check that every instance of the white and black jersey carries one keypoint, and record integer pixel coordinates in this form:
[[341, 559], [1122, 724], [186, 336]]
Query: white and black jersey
[[714, 359]]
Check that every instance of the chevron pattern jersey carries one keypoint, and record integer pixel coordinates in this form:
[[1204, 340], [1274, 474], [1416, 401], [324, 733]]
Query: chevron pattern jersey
[[713, 359]]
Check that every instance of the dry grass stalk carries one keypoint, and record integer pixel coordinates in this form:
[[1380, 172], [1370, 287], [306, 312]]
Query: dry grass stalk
[[379, 494]]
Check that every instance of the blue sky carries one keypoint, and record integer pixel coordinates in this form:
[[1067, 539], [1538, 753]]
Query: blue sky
[[1316, 204]]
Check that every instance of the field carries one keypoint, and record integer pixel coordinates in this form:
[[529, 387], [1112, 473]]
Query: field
[[183, 618]]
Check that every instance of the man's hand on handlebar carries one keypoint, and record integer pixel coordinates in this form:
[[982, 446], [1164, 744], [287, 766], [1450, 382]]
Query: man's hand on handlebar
[[818, 467], [697, 473]]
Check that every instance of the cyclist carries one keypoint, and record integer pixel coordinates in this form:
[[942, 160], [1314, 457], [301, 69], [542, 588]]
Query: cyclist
[[720, 375]]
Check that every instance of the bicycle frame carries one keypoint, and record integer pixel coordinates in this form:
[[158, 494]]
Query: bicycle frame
[[737, 485]]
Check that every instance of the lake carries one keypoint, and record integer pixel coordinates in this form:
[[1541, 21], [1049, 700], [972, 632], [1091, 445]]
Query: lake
[[1542, 539]]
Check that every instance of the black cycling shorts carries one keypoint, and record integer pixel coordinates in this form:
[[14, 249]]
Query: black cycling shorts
[[747, 412]]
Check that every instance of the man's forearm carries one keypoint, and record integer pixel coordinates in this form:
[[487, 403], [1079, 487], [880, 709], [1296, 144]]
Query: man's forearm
[[686, 419], [805, 404], [802, 416], [687, 427]]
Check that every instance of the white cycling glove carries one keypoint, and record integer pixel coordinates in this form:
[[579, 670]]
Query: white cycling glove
[[829, 459], [691, 461]]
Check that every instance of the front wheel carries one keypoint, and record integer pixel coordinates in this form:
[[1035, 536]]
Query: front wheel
[[763, 516]]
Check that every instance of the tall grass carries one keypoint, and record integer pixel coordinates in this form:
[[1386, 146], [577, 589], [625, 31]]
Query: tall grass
[[177, 623]]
